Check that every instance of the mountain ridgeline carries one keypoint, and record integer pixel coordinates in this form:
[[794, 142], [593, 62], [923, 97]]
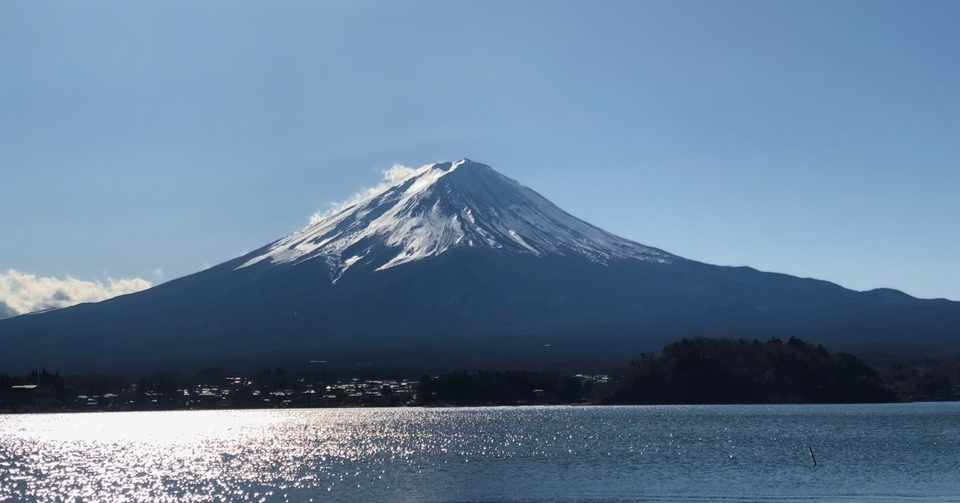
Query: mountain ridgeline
[[454, 265]]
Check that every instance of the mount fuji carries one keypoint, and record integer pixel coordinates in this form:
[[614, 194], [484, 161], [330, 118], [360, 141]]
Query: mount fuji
[[456, 265], [445, 206]]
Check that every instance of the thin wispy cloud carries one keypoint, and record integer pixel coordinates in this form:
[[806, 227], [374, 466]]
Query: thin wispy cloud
[[22, 293], [393, 176], [6, 311]]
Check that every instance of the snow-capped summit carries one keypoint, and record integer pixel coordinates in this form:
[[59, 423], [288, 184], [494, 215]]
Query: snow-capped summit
[[438, 207]]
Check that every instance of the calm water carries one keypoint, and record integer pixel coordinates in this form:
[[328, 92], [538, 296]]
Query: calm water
[[904, 452]]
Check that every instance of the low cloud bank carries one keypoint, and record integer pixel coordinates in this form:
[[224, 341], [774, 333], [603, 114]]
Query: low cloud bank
[[22, 293]]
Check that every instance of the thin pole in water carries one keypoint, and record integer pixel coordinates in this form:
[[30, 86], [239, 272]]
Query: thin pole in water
[[812, 456]]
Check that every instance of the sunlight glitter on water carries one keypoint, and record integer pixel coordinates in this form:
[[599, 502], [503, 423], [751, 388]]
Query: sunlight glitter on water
[[876, 453]]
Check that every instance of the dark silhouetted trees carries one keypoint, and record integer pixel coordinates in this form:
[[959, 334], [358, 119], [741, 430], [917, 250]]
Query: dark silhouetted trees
[[739, 371], [501, 388]]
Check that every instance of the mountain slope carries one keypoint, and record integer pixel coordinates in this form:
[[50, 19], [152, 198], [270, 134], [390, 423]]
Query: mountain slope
[[444, 206], [455, 265]]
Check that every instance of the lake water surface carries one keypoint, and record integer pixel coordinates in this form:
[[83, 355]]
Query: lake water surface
[[902, 452]]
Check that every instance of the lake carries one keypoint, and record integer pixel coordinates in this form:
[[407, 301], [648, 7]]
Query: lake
[[896, 452]]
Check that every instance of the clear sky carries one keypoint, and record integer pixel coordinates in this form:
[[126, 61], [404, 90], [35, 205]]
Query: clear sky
[[817, 138]]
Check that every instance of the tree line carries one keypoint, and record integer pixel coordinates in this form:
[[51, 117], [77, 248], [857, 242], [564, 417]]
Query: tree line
[[688, 371]]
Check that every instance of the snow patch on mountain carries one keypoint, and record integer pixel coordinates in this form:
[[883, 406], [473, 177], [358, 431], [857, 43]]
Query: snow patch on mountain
[[426, 211]]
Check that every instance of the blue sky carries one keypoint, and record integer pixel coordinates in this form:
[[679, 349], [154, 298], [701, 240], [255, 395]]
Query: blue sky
[[812, 138]]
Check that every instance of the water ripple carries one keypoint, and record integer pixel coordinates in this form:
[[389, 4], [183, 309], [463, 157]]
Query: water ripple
[[729, 454]]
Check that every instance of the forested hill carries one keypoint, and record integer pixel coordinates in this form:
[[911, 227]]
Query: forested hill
[[740, 371]]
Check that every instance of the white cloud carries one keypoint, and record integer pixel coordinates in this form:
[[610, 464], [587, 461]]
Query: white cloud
[[391, 177], [22, 293]]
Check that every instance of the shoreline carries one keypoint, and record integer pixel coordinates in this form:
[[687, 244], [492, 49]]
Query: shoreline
[[7, 412]]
